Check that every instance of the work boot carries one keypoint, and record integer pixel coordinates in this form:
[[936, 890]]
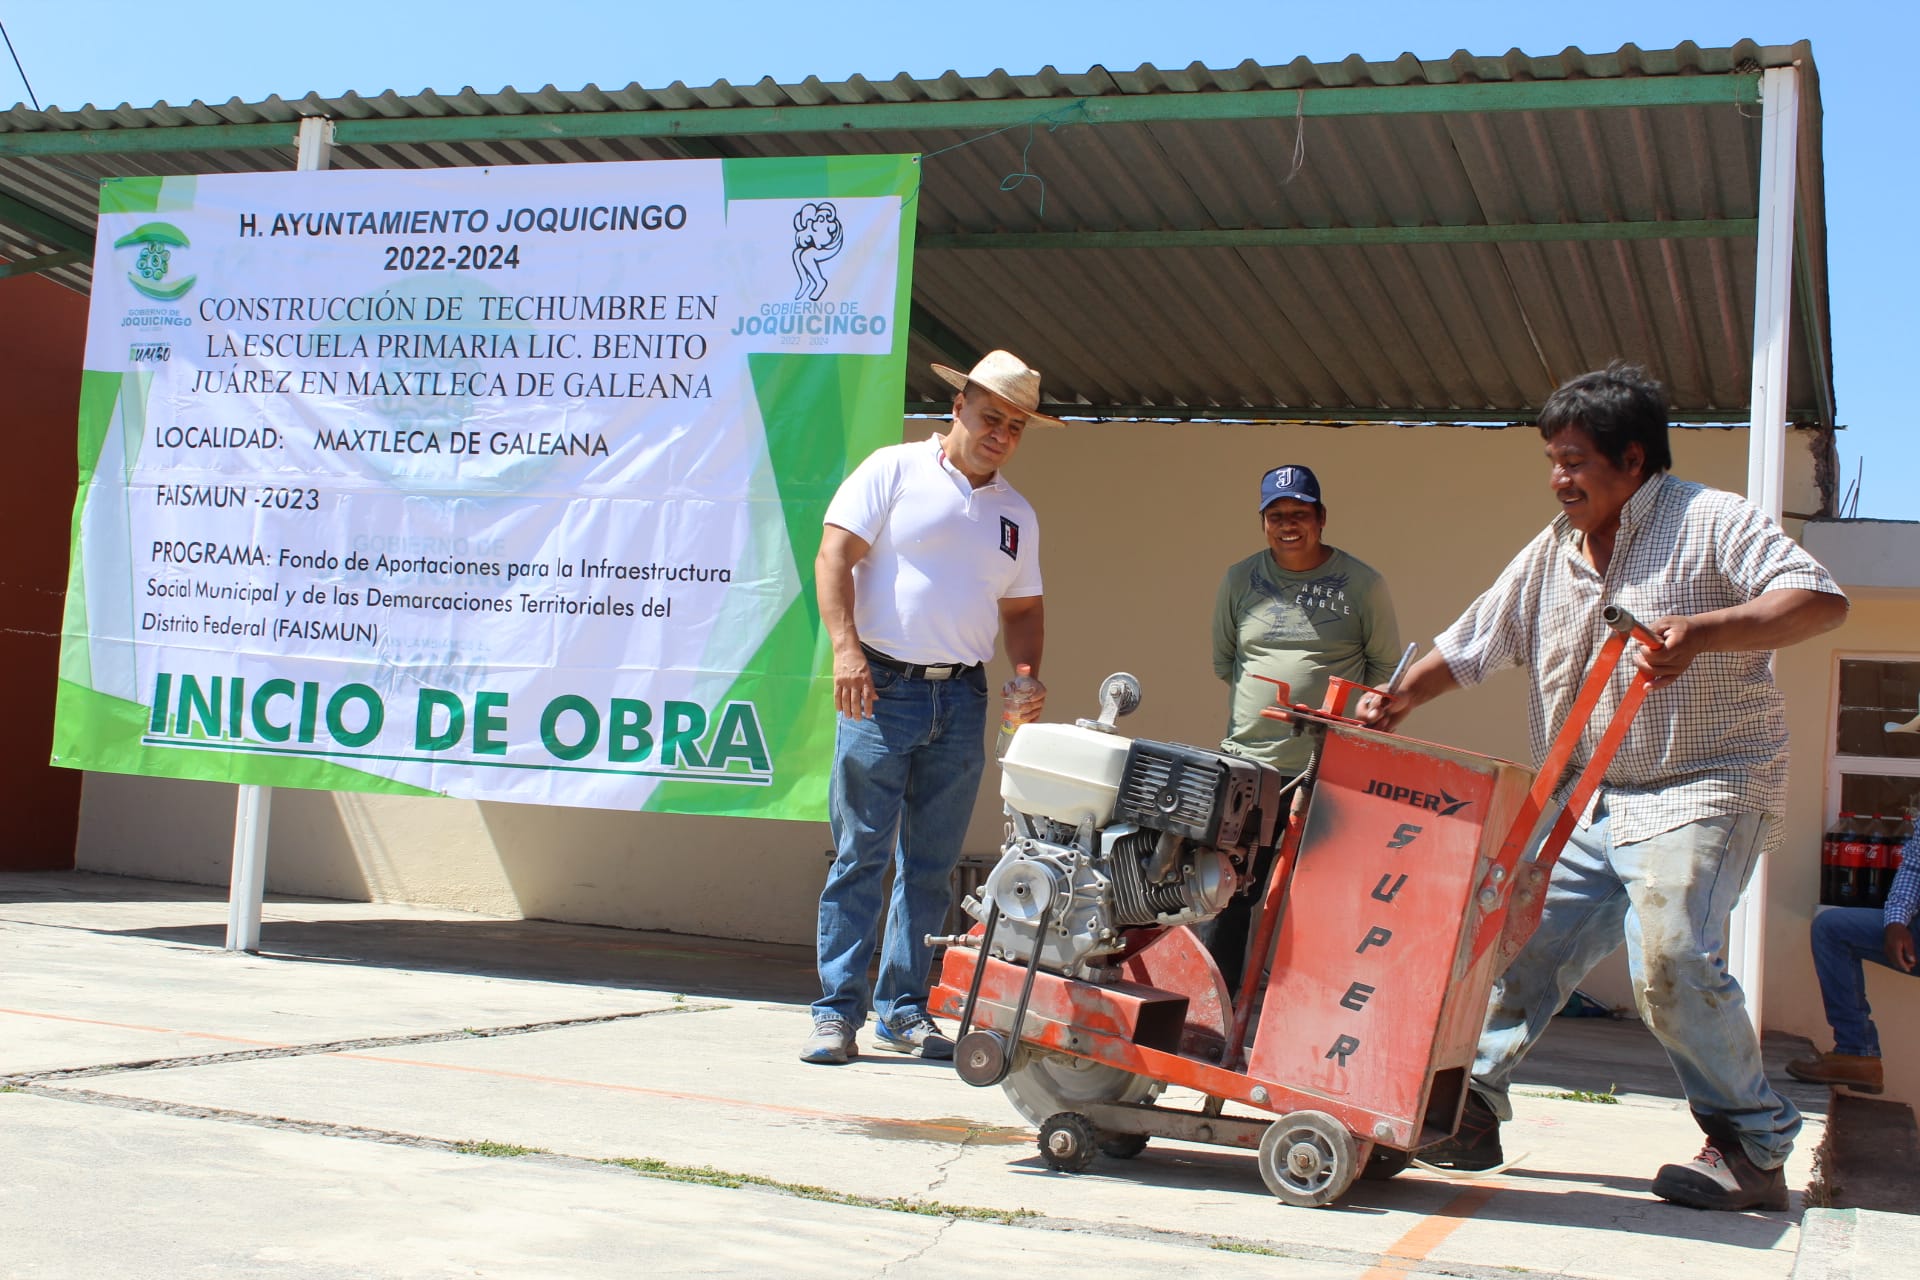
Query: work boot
[[1475, 1145], [831, 1043], [1849, 1070], [915, 1035], [1722, 1177]]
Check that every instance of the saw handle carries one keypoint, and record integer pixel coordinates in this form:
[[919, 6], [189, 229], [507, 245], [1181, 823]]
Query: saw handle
[[1527, 897], [1624, 623]]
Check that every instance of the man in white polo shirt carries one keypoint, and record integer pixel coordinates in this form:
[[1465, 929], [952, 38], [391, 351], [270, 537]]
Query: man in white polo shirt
[[927, 554]]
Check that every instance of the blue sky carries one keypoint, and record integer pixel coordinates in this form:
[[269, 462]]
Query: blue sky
[[107, 52]]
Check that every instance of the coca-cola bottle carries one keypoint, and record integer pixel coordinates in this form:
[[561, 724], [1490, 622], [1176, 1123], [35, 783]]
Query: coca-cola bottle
[[1881, 842], [1849, 889], [1831, 842]]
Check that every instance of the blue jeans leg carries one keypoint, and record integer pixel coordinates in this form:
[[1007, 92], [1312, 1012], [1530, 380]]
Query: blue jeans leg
[[1844, 938], [1683, 884], [901, 793], [1670, 897], [1580, 925], [942, 783]]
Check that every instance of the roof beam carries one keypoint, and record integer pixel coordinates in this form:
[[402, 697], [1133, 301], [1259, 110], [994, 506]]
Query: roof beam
[[931, 329], [150, 138], [1811, 330], [1298, 237], [871, 117], [32, 266], [45, 226], [1336, 415]]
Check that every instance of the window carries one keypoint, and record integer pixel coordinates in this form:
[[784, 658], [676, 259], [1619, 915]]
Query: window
[[1871, 770]]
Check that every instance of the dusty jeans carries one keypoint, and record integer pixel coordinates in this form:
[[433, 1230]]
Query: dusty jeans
[[1668, 897]]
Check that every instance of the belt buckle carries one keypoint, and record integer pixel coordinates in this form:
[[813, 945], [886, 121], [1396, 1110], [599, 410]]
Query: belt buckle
[[939, 671]]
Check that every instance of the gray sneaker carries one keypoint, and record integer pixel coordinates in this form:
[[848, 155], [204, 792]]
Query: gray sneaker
[[917, 1035], [831, 1043]]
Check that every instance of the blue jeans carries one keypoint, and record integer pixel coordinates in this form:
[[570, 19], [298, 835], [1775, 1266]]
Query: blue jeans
[[1843, 937], [902, 792], [1668, 898]]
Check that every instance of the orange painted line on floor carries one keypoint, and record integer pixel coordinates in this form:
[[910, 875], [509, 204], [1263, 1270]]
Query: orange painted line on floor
[[134, 1026], [1411, 1249], [805, 1113]]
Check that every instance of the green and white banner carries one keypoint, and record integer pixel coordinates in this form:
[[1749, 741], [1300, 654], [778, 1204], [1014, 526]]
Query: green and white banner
[[496, 483]]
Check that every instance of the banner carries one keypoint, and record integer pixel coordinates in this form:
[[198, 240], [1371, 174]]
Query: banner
[[497, 483]]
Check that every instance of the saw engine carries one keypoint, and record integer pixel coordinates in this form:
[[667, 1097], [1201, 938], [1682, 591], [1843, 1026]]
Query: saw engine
[[1108, 834]]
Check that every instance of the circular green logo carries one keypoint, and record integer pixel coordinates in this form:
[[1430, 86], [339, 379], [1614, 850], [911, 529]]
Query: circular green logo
[[156, 241]]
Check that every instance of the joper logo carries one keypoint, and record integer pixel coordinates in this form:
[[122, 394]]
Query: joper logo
[[157, 242], [817, 237], [1432, 801]]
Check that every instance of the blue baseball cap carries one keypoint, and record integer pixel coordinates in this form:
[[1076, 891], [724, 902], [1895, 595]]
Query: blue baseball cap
[[1288, 482]]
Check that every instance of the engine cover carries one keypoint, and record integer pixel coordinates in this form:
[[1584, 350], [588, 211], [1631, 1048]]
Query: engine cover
[[1209, 797]]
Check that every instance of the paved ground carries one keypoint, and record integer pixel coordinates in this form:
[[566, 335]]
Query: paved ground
[[398, 1092]]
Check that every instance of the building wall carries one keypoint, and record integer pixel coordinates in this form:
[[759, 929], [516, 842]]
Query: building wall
[[1138, 522], [1881, 621], [43, 331]]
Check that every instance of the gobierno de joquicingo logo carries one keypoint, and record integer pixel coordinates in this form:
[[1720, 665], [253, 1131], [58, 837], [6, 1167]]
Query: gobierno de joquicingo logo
[[157, 242]]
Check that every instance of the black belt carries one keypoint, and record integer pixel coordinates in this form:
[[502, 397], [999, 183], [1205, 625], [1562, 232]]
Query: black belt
[[917, 671]]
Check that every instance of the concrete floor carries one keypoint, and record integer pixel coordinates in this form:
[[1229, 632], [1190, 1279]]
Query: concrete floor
[[395, 1091]]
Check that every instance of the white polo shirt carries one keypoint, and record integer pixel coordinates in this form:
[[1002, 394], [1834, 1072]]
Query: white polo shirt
[[942, 555]]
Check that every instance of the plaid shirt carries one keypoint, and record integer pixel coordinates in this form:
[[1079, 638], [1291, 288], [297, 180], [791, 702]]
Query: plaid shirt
[[1903, 895], [1714, 742]]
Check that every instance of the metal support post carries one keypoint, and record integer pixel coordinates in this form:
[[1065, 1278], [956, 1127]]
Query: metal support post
[[247, 887], [1767, 434], [249, 883]]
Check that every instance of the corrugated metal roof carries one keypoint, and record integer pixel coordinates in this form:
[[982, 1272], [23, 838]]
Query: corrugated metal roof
[[1421, 239]]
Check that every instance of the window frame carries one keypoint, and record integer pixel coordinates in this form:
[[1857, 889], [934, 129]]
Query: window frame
[[1859, 766]]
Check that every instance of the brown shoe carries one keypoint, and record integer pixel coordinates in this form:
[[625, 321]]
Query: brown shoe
[[1853, 1071]]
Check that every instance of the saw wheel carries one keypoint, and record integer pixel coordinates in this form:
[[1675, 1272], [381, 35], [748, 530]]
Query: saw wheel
[[1042, 1085]]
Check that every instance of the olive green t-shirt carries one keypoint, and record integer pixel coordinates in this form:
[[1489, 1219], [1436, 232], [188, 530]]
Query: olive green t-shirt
[[1335, 620]]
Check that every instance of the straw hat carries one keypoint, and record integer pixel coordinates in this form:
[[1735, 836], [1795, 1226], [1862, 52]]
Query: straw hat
[[1007, 376]]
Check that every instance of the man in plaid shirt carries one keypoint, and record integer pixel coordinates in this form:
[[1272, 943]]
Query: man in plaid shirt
[[1692, 797], [1843, 938]]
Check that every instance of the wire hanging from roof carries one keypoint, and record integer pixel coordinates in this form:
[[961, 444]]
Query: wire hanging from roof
[[1072, 113], [17, 67]]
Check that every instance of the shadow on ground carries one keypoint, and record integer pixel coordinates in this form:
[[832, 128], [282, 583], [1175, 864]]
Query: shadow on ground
[[1598, 1056], [299, 930]]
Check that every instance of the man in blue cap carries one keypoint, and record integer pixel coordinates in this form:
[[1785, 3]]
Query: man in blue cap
[[1298, 611]]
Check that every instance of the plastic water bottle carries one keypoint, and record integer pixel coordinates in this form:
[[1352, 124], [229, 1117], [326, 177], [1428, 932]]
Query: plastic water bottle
[[1015, 694]]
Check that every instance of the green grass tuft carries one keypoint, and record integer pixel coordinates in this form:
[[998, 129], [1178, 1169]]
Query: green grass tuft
[[499, 1149], [1241, 1246]]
